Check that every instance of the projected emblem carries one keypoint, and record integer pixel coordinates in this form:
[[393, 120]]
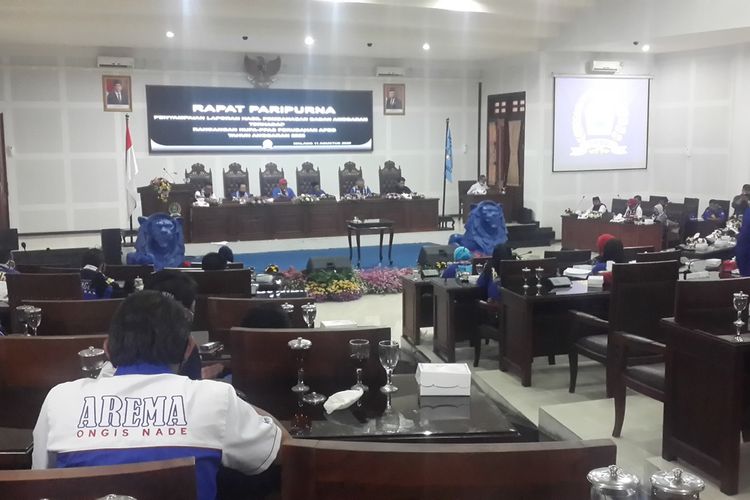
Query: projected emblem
[[600, 122]]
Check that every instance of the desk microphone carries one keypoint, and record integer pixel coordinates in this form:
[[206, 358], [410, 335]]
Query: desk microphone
[[578, 205], [23, 245], [168, 174]]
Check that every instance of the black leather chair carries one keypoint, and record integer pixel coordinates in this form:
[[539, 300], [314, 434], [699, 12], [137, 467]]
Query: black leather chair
[[269, 178], [691, 207], [306, 175], [233, 177], [348, 176], [658, 256], [641, 294], [389, 176], [568, 258]]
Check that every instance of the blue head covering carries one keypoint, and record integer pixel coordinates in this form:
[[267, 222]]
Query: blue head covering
[[461, 253]]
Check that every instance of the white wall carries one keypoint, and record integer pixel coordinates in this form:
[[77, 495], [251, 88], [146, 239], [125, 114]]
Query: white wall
[[697, 139], [66, 171]]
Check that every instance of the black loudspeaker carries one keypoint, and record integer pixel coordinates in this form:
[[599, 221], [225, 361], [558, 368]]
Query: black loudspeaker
[[431, 255], [328, 264], [112, 246], [9, 239], [526, 216]]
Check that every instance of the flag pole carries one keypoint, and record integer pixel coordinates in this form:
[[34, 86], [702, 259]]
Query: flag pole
[[130, 215], [445, 163]]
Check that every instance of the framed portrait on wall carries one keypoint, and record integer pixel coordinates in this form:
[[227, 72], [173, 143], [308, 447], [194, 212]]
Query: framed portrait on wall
[[394, 99], [117, 93]]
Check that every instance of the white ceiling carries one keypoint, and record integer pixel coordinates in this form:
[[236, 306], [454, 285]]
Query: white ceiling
[[396, 28]]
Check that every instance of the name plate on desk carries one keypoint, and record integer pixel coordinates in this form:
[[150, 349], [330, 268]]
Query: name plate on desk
[[558, 281]]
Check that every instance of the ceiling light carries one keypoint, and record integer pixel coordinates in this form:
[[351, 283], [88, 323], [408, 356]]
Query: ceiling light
[[309, 40], [170, 34], [646, 48], [425, 46]]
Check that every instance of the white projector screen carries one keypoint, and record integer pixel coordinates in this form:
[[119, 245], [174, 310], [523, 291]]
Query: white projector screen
[[600, 123]]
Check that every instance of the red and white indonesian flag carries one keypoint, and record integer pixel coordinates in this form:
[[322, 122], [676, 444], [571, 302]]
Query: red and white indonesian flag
[[131, 170]]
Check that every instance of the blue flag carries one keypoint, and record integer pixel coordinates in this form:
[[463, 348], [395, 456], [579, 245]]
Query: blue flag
[[448, 154]]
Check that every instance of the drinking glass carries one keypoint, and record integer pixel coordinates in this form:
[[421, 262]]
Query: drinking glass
[[288, 309], [300, 347], [34, 318], [739, 301], [92, 360], [314, 398], [388, 351], [309, 311], [480, 268], [359, 354], [525, 274], [22, 316], [277, 284], [539, 272]]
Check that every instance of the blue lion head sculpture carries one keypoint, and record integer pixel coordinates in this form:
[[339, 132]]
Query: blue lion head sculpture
[[160, 242], [485, 228]]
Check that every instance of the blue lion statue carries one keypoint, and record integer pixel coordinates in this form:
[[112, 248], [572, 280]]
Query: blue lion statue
[[485, 228], [160, 242]]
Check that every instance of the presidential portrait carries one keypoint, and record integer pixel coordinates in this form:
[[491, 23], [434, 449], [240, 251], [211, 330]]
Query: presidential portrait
[[394, 99], [116, 92]]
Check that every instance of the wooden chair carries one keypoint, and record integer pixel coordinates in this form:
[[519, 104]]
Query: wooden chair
[[306, 175], [233, 177], [618, 206], [658, 256], [224, 313], [30, 367], [341, 470], [640, 296], [348, 177], [269, 178], [389, 176], [144, 481], [75, 317], [568, 258], [631, 252], [697, 303], [489, 326], [264, 367], [40, 286], [198, 177]]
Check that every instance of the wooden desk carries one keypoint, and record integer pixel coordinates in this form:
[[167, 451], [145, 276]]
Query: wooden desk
[[705, 397], [704, 227], [370, 225], [15, 448], [507, 200], [417, 308], [454, 315], [249, 222], [537, 323], [581, 234]]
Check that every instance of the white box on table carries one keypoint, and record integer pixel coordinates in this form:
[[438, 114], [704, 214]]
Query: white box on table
[[444, 379]]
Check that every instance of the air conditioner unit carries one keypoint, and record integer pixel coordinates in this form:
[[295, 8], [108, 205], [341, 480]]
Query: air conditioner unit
[[115, 62], [389, 71], [608, 67]]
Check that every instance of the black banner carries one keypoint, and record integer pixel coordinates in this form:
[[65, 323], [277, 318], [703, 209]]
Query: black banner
[[234, 120]]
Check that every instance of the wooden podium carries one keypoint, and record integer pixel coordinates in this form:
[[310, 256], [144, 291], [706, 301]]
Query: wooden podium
[[181, 199]]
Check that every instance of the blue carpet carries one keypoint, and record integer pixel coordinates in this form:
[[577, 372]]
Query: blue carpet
[[404, 255]]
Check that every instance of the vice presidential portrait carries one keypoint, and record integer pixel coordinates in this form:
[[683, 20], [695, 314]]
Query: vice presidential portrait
[[116, 92], [394, 98]]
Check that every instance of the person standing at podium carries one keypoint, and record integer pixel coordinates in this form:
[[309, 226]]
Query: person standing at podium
[[241, 194], [282, 191], [479, 187]]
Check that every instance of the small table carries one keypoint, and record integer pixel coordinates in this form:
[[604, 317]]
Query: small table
[[537, 324], [370, 225]]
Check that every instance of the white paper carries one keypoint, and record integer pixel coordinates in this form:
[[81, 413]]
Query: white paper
[[342, 400]]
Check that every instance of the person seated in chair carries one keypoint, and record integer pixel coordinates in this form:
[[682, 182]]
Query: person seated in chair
[[487, 283], [739, 202], [714, 212], [147, 412], [597, 205], [205, 193], [266, 316], [401, 187], [226, 253], [282, 191], [213, 261], [95, 284], [634, 210], [610, 249], [241, 194], [479, 187], [359, 189], [461, 261], [316, 191]]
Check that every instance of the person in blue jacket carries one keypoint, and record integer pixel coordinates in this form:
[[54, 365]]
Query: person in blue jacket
[[282, 191]]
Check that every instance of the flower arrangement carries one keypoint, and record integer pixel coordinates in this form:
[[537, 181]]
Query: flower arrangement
[[382, 280], [293, 279], [306, 198], [272, 269], [392, 196], [162, 187], [336, 286], [417, 196], [441, 265]]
